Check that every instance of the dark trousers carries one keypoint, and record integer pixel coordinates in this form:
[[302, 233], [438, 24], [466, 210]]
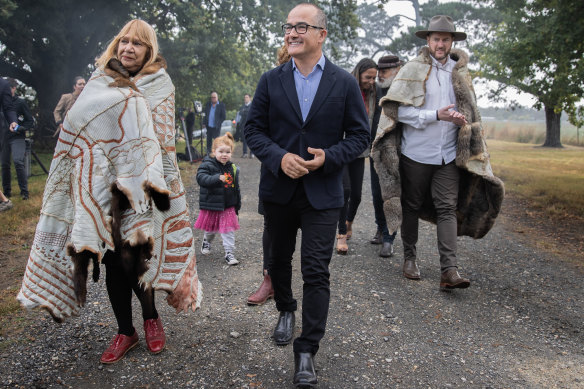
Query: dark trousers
[[318, 237], [441, 183], [244, 144], [212, 133], [119, 289], [380, 220], [353, 187], [15, 147], [266, 239]]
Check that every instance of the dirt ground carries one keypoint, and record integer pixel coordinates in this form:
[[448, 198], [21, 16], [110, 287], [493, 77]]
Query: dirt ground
[[518, 325]]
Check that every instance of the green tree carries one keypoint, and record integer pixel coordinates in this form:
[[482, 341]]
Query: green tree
[[221, 45], [538, 49]]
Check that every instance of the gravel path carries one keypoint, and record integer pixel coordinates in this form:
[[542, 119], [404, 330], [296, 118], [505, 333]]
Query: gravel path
[[519, 325]]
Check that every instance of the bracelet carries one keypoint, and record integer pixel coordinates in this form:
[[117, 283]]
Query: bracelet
[[437, 118]]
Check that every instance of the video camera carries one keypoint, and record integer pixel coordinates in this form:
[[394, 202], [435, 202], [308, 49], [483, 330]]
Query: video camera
[[198, 106]]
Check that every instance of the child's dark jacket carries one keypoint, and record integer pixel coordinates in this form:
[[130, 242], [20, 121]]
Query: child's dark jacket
[[216, 195]]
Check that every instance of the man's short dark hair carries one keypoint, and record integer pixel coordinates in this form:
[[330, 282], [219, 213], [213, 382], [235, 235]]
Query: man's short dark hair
[[320, 15], [247, 94], [12, 82]]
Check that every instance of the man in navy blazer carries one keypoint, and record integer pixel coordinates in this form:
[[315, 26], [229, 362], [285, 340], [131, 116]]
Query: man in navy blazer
[[214, 117], [307, 120]]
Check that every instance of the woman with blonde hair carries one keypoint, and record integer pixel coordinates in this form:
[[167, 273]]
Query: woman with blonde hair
[[114, 196]]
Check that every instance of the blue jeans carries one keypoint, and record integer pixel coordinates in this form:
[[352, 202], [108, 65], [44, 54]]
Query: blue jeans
[[378, 206], [16, 148]]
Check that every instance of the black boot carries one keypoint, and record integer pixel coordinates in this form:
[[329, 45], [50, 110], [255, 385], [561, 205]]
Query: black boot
[[304, 373], [284, 329]]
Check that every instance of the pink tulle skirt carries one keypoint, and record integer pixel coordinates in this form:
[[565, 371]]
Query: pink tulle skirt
[[217, 221]]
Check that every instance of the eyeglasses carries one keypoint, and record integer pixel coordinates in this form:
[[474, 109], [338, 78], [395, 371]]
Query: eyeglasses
[[300, 28]]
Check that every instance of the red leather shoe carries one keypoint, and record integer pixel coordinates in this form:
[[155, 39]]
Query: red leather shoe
[[119, 346], [155, 337]]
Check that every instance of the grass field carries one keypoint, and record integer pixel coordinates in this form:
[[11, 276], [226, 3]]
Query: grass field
[[552, 180], [530, 132]]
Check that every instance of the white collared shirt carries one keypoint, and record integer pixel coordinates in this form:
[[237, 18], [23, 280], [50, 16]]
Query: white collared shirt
[[425, 139]]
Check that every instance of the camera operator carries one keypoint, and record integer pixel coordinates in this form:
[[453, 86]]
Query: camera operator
[[190, 123], [14, 144]]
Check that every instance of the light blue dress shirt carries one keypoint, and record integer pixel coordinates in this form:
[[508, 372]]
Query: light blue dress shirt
[[306, 86], [212, 115]]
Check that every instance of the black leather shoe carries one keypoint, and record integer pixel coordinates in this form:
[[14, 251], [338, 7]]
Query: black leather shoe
[[284, 329], [386, 250], [304, 373], [378, 238]]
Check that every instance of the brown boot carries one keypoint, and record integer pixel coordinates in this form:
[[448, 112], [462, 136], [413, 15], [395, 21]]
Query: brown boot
[[264, 292], [450, 279], [411, 269], [349, 230], [342, 247]]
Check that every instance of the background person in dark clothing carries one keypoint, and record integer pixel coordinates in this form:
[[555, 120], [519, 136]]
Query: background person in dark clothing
[[241, 119], [190, 124], [387, 68], [214, 116], [6, 105], [14, 144]]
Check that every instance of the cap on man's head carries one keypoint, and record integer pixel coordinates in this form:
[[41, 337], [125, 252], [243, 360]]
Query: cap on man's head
[[389, 61], [441, 23]]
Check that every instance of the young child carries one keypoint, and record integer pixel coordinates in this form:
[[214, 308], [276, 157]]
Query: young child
[[220, 198]]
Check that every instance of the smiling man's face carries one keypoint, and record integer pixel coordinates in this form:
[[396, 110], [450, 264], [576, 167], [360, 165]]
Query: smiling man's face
[[306, 45]]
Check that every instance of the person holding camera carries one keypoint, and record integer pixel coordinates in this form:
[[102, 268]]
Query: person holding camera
[[14, 144]]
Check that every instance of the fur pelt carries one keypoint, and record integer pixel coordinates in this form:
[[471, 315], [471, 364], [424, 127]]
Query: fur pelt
[[121, 75], [480, 192]]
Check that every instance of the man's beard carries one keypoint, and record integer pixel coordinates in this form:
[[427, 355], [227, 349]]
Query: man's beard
[[386, 83], [433, 54]]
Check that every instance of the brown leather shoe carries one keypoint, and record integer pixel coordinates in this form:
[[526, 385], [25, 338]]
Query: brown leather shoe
[[450, 279], [377, 239], [349, 230], [264, 292], [411, 270], [342, 247]]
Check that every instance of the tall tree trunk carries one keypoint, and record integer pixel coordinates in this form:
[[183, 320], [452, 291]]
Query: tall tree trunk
[[552, 128], [416, 5]]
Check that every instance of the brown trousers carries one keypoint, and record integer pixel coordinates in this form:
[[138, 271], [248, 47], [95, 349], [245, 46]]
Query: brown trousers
[[440, 183]]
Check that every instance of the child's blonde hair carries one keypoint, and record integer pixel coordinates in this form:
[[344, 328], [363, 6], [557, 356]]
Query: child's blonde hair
[[225, 140]]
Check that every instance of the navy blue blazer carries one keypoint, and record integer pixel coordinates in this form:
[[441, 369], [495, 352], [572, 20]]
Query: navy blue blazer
[[337, 123]]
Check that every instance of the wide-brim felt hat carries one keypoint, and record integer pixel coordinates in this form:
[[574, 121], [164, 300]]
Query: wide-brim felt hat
[[441, 23], [389, 61]]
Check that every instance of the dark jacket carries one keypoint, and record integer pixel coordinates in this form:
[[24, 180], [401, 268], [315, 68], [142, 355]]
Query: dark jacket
[[24, 117], [243, 112], [379, 93], [337, 123], [219, 114], [213, 194], [6, 104]]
